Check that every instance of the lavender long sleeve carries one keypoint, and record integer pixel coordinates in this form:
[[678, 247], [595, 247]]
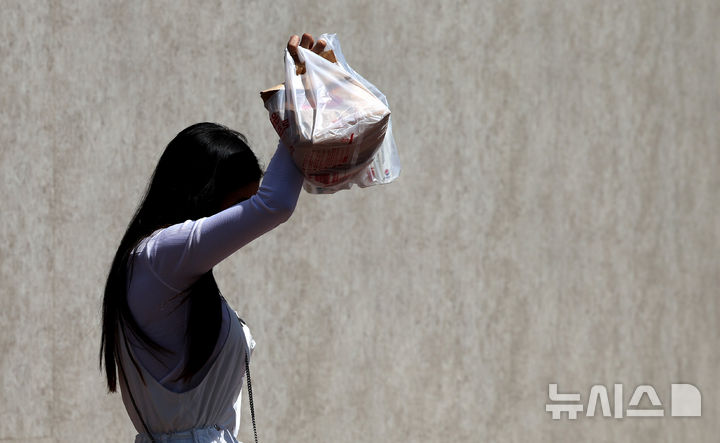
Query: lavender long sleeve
[[171, 259]]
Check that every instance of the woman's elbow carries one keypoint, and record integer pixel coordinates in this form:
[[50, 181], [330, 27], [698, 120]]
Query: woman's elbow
[[280, 211], [284, 212]]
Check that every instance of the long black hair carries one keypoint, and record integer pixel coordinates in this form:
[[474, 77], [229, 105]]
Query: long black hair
[[199, 168]]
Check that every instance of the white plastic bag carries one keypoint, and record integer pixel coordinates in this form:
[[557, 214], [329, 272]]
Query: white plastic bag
[[336, 124]]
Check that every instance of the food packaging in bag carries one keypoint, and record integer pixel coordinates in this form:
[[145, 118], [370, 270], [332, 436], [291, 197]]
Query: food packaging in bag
[[336, 124]]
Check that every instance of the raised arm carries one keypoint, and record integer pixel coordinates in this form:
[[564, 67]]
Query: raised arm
[[181, 253]]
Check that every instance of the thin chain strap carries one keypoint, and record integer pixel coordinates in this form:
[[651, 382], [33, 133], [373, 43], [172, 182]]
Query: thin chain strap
[[247, 373], [252, 409]]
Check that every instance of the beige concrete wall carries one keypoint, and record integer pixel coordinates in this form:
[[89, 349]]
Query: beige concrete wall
[[556, 221]]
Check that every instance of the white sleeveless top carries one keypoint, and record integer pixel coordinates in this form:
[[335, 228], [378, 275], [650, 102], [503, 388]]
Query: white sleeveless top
[[208, 413]]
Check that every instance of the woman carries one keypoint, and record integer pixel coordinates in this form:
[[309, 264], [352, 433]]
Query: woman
[[179, 350]]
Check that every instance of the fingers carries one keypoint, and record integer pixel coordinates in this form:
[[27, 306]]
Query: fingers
[[307, 43], [319, 46], [292, 47]]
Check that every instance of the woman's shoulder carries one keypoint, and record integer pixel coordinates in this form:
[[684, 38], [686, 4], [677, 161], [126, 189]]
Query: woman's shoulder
[[143, 243], [168, 234]]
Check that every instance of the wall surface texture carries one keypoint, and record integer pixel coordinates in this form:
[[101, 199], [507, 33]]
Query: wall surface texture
[[557, 219]]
